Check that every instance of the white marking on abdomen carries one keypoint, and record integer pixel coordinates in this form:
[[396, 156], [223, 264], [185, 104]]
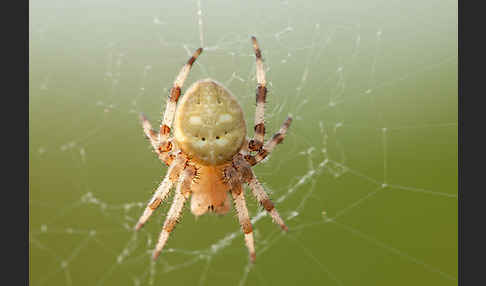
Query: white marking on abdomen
[[225, 118], [195, 120], [199, 144], [221, 142]]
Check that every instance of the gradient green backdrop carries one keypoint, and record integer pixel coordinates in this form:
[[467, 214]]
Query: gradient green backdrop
[[366, 178]]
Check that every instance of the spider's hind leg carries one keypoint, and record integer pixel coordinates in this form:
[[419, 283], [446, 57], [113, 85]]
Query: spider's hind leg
[[183, 191], [233, 177], [265, 201], [162, 191], [244, 219], [249, 177]]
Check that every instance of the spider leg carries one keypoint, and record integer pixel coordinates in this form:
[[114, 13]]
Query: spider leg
[[270, 145], [257, 142], [149, 132], [183, 192], [247, 175], [170, 108], [233, 178], [162, 192], [154, 141], [264, 200], [244, 219]]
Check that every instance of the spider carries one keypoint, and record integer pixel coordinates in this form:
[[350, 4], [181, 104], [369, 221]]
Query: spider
[[209, 155]]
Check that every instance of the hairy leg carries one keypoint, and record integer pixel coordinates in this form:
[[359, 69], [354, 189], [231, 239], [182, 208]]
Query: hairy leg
[[248, 176], [154, 141], [162, 191], [244, 219], [183, 192], [234, 180], [257, 142], [270, 145], [265, 201], [170, 108]]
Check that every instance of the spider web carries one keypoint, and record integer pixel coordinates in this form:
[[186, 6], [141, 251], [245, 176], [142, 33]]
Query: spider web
[[365, 179]]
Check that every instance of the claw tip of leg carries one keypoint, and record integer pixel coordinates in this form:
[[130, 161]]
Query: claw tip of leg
[[155, 255]]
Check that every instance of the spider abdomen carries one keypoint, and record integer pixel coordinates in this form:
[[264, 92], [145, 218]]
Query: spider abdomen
[[209, 123], [210, 192]]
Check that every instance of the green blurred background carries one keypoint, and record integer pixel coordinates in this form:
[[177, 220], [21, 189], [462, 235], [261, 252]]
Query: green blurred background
[[366, 178]]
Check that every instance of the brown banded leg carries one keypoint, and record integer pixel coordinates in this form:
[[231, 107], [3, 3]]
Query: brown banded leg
[[233, 178], [264, 200], [244, 219], [183, 192], [162, 191], [261, 93], [270, 145], [149, 132], [170, 109], [154, 141], [248, 176]]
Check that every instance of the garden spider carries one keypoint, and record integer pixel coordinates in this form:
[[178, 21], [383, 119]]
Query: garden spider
[[210, 155]]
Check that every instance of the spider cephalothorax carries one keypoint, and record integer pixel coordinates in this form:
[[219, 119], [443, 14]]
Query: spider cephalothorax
[[209, 156]]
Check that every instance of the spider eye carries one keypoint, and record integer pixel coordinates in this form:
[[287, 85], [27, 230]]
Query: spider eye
[[203, 139], [217, 137]]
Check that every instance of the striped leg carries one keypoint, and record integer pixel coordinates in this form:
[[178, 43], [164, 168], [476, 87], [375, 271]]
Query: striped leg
[[244, 219], [149, 132], [257, 142], [162, 192], [154, 141], [265, 201], [183, 192], [170, 109], [270, 145]]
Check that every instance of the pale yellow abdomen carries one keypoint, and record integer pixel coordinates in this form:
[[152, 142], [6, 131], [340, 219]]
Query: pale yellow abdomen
[[209, 123]]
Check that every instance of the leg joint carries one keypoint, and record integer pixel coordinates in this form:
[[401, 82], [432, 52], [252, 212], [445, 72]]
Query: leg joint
[[169, 225], [278, 138], [251, 160], [155, 204], [175, 93], [255, 145], [267, 204], [164, 129], [246, 226], [261, 95]]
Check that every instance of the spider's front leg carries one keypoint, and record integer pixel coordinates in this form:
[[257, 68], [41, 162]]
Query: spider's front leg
[[160, 141], [175, 93], [183, 191], [256, 143]]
